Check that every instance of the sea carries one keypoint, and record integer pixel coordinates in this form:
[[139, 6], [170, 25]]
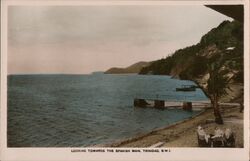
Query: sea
[[60, 110]]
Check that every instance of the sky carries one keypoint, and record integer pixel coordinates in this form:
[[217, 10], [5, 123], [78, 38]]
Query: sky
[[84, 39]]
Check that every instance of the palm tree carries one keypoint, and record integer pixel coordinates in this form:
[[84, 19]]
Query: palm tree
[[217, 86]]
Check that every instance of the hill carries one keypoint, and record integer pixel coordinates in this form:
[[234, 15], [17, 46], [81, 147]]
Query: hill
[[224, 43], [135, 68]]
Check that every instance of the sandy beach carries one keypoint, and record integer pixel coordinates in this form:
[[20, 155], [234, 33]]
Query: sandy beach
[[183, 133]]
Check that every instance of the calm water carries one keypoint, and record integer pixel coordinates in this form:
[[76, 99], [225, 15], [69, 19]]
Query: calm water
[[82, 110]]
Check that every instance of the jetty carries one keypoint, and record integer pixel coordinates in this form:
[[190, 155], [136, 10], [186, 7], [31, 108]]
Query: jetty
[[164, 101]]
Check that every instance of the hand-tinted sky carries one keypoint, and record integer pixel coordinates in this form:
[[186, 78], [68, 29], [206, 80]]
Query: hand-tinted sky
[[83, 39]]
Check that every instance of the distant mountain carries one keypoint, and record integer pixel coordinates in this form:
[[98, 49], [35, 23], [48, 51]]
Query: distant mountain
[[135, 68]]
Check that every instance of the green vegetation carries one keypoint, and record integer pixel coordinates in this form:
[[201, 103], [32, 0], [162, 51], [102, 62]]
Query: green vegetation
[[135, 68], [217, 86], [193, 61], [215, 63]]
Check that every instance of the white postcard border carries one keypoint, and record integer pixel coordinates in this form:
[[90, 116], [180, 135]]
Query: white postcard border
[[53, 154]]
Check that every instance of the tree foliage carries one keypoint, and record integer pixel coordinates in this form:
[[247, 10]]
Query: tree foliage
[[217, 86], [218, 82], [190, 63]]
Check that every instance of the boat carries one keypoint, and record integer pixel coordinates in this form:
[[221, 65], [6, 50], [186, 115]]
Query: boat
[[186, 88]]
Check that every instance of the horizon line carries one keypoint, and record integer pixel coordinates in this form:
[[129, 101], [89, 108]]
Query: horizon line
[[53, 73]]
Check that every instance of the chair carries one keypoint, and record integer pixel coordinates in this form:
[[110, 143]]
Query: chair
[[218, 139]]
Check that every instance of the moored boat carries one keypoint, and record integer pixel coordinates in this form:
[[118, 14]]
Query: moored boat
[[186, 88]]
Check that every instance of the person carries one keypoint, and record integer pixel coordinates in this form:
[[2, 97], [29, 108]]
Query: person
[[204, 140], [218, 138], [229, 138]]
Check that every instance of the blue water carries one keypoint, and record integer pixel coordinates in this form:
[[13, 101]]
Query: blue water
[[83, 110]]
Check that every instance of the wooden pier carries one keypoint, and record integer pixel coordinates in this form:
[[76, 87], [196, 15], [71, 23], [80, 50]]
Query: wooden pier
[[159, 102]]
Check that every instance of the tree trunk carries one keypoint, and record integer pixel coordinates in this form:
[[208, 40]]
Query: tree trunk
[[218, 118]]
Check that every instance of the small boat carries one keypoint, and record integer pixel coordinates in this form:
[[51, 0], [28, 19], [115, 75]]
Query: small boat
[[186, 88]]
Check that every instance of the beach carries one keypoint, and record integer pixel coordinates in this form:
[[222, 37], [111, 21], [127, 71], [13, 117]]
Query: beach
[[183, 133]]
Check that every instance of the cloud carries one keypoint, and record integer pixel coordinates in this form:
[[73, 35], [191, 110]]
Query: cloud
[[144, 32]]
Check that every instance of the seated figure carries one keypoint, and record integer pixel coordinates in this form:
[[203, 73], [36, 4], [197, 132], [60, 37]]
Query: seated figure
[[203, 139], [229, 138], [218, 138]]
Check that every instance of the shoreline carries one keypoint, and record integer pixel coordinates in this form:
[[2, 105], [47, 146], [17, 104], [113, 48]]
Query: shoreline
[[140, 136], [183, 133]]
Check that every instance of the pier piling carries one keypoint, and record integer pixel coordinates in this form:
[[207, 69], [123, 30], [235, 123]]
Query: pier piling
[[187, 106], [140, 103], [159, 104]]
